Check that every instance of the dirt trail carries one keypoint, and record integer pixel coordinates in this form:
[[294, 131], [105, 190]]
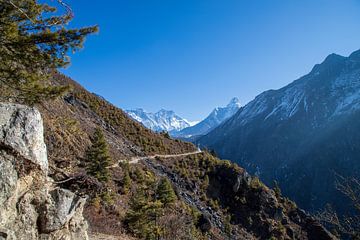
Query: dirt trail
[[179, 184], [135, 160]]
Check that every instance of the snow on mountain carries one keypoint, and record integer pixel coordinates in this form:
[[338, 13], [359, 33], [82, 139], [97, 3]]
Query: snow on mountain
[[215, 118], [163, 120], [326, 92], [301, 134]]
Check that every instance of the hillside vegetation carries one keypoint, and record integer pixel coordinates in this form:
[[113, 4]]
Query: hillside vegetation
[[212, 199], [90, 144]]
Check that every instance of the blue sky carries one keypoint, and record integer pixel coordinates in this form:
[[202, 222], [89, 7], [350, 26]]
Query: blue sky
[[190, 56]]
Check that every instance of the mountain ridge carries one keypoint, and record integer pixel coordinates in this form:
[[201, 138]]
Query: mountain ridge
[[280, 134], [69, 123], [163, 120], [214, 119]]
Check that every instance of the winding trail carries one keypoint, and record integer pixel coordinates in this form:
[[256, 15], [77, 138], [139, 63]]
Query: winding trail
[[135, 160], [182, 189]]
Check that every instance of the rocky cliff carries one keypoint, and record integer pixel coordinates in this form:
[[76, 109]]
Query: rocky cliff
[[31, 205]]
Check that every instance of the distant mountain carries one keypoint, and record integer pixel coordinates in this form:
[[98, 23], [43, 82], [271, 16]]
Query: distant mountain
[[162, 120], [300, 135], [198, 179], [216, 117]]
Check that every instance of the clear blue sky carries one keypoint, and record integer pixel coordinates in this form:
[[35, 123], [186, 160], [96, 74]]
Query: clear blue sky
[[190, 56]]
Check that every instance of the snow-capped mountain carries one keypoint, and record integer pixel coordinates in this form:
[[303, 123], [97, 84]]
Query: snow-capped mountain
[[301, 134], [162, 120], [215, 118]]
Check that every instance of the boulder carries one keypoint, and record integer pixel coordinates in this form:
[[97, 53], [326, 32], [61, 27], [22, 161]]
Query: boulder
[[21, 129], [31, 207], [61, 207]]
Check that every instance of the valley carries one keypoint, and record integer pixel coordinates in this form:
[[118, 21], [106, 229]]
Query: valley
[[74, 165], [301, 135]]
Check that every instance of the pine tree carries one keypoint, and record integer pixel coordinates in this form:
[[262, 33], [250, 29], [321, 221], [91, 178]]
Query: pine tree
[[277, 189], [98, 157], [165, 192], [227, 226], [135, 218], [205, 183], [143, 214], [126, 182], [34, 41]]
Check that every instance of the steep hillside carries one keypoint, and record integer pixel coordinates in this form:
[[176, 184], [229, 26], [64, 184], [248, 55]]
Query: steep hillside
[[70, 121], [300, 135], [238, 205], [215, 118], [213, 200]]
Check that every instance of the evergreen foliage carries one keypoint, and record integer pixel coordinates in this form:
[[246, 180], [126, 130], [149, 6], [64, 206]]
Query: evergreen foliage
[[277, 189], [147, 209], [165, 192], [139, 174], [126, 182], [98, 157], [205, 183], [141, 219], [33, 42], [227, 226]]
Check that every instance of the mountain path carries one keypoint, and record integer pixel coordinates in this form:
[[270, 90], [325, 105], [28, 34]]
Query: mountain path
[[135, 160]]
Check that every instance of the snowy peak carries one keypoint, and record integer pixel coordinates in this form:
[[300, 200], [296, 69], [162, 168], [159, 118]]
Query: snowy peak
[[306, 130], [220, 114], [332, 88], [234, 103], [215, 118], [163, 120]]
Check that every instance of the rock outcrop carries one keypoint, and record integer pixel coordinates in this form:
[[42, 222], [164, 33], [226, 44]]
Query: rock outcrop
[[31, 206]]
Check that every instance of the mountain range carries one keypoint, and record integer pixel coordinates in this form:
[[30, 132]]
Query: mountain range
[[303, 135], [163, 120], [211, 198], [178, 127]]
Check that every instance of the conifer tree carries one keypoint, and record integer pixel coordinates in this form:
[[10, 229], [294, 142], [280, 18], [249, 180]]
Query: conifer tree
[[142, 217], [205, 183], [126, 182], [98, 157], [165, 192], [277, 189], [135, 217], [227, 226], [34, 41]]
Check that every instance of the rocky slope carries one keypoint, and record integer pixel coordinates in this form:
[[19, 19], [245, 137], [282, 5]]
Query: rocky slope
[[205, 207], [215, 118], [32, 206], [236, 204], [301, 135], [70, 121]]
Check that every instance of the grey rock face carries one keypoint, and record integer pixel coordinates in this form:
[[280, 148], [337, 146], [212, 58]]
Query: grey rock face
[[30, 207], [60, 209], [21, 128]]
